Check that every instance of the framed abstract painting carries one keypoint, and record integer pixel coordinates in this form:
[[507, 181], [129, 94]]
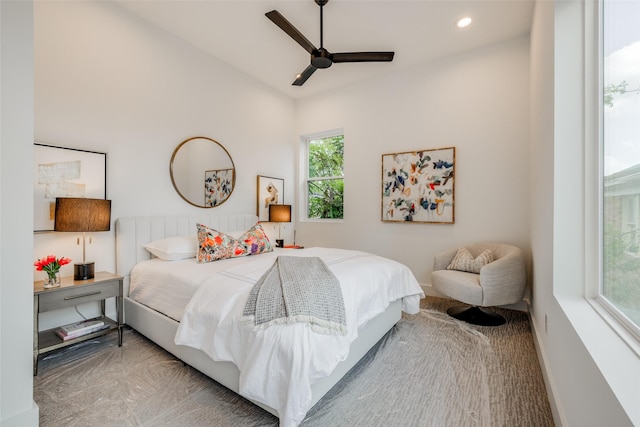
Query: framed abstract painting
[[65, 172], [418, 186]]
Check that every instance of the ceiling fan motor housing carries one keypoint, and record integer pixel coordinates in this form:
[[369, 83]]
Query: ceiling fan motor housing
[[321, 58]]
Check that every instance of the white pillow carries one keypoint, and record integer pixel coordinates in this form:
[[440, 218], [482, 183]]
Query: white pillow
[[174, 248]]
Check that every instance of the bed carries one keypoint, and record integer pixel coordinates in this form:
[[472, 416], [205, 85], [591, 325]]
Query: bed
[[180, 315]]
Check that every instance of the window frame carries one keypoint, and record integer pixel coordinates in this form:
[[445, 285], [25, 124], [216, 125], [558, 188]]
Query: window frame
[[594, 133], [304, 174]]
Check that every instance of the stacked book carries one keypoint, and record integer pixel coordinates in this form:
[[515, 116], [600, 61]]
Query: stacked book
[[78, 329]]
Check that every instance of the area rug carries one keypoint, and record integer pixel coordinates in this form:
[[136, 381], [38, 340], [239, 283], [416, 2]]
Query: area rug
[[429, 370]]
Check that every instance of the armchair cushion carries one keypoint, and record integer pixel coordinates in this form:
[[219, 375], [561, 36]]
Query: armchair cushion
[[459, 285], [464, 261]]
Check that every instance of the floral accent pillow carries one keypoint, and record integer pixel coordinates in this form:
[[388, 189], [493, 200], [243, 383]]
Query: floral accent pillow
[[214, 245], [256, 240], [464, 261]]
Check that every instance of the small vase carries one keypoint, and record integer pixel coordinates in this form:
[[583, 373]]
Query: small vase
[[52, 281]]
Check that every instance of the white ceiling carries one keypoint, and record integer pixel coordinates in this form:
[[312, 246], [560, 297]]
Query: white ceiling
[[238, 33]]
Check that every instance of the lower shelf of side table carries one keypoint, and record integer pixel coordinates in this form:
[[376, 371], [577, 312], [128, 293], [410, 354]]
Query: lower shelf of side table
[[48, 340]]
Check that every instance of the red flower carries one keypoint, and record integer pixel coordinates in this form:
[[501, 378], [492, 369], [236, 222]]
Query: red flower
[[50, 264]]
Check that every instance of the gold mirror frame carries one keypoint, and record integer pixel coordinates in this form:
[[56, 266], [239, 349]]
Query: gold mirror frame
[[202, 172]]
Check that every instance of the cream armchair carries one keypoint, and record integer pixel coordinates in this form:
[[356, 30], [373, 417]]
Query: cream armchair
[[499, 282]]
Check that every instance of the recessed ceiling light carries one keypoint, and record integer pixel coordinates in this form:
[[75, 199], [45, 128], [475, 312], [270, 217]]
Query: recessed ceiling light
[[463, 22]]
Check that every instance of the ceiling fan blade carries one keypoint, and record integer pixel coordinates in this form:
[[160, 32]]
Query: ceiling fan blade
[[303, 76], [292, 31], [362, 57]]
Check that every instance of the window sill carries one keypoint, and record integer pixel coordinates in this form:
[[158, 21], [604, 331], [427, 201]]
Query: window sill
[[613, 349], [324, 220], [629, 338]]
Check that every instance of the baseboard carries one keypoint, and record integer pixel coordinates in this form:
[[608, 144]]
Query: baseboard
[[28, 418], [558, 418]]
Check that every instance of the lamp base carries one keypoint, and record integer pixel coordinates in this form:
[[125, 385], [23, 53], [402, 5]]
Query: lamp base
[[279, 243], [83, 271]]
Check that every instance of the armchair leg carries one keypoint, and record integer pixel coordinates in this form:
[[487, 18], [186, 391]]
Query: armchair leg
[[476, 316]]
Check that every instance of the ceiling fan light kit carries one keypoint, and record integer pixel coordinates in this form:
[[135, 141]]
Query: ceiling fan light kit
[[321, 57]]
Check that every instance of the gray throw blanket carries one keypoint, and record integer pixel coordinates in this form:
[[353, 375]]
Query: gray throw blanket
[[298, 289]]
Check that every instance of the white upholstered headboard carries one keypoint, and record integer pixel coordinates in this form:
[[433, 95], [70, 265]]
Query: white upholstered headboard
[[132, 233]]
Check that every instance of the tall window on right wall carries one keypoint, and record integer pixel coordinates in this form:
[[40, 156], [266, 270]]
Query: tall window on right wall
[[325, 177], [620, 85]]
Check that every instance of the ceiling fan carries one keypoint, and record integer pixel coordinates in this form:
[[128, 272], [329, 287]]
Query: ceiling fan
[[321, 57]]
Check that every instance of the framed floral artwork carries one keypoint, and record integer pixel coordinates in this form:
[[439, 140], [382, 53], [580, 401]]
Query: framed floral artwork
[[418, 186], [65, 172], [270, 191], [218, 186]]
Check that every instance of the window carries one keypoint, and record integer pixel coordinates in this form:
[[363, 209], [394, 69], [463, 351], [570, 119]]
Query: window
[[325, 176], [620, 83]]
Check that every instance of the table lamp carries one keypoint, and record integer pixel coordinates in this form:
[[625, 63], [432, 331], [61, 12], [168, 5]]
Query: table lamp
[[279, 213], [82, 215]]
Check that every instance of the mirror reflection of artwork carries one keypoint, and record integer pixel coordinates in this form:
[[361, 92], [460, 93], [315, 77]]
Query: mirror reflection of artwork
[[218, 185], [270, 192], [64, 172]]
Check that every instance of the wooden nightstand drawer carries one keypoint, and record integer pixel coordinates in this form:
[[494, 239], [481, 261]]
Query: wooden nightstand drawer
[[78, 295]]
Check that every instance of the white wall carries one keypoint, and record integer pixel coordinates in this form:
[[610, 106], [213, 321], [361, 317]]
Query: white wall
[[477, 102], [107, 81], [591, 375], [17, 408]]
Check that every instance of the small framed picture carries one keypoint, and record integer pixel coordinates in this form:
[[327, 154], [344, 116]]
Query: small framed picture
[[270, 191]]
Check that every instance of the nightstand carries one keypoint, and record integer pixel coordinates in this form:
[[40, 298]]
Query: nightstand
[[71, 293]]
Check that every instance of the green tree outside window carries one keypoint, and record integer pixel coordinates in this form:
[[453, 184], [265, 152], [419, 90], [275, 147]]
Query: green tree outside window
[[325, 181]]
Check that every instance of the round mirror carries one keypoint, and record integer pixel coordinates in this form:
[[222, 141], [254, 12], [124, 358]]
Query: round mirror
[[202, 172]]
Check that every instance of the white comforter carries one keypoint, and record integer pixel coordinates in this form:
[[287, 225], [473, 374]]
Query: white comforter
[[279, 364]]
